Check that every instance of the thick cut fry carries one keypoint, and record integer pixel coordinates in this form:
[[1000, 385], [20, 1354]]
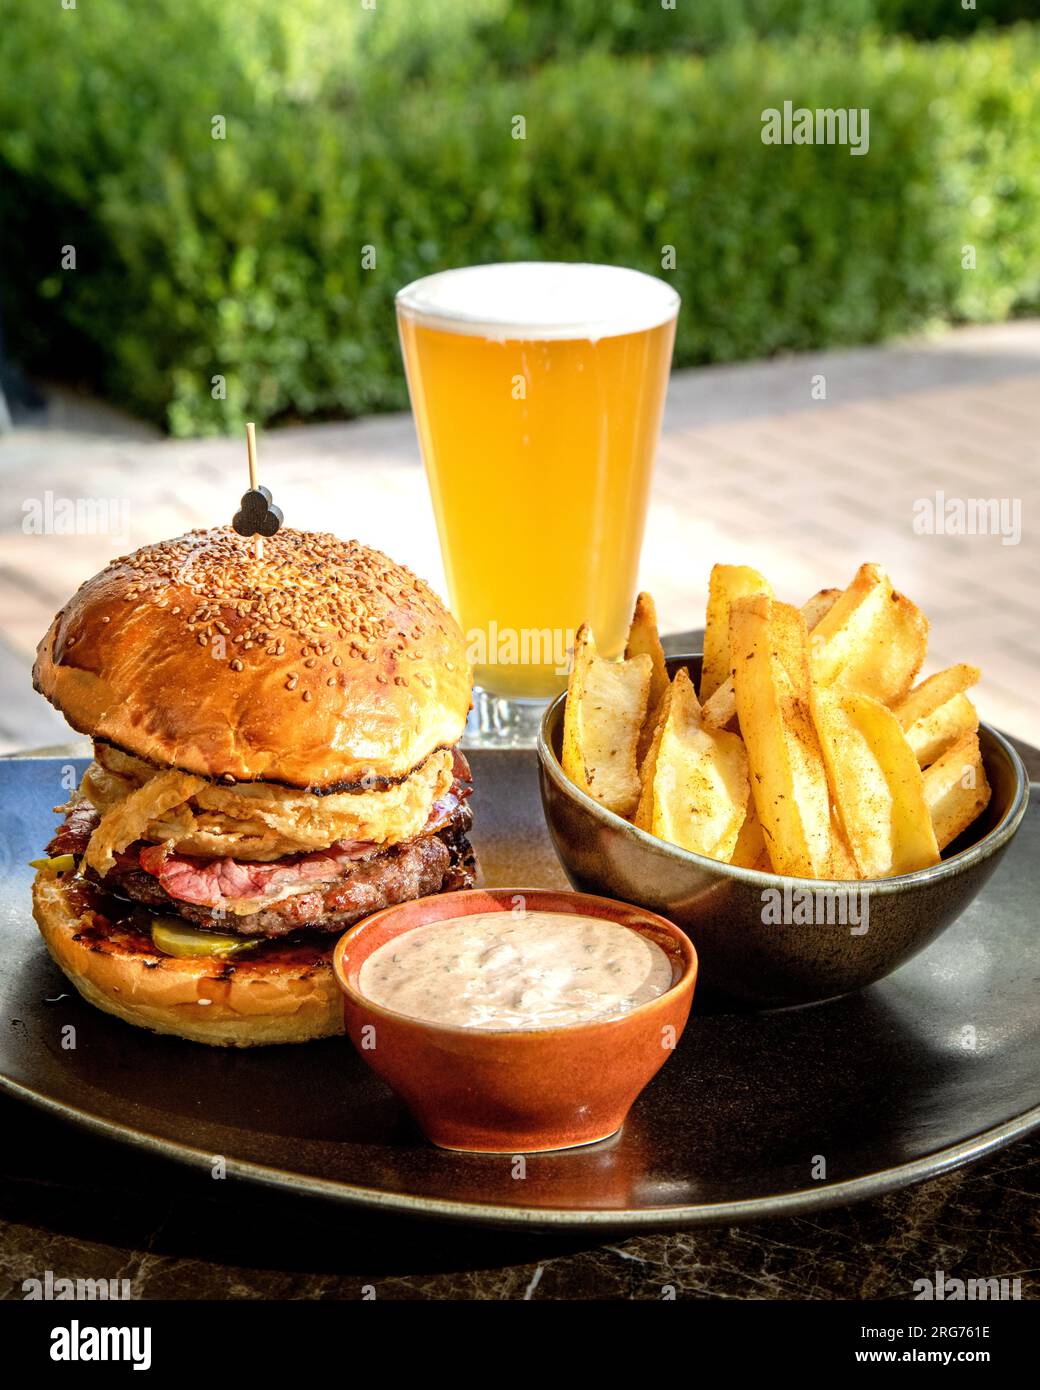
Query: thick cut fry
[[849, 621], [750, 850], [843, 865], [606, 706], [956, 789], [700, 779], [819, 606], [876, 784], [726, 583], [644, 812], [788, 778], [721, 709], [931, 736], [872, 641], [934, 692], [643, 638], [886, 663]]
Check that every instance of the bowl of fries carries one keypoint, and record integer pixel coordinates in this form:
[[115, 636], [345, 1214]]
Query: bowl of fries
[[796, 798]]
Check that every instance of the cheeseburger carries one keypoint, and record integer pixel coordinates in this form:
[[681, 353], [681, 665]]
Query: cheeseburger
[[274, 758]]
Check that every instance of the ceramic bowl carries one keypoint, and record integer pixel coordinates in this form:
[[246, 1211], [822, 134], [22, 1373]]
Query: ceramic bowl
[[763, 939], [512, 1091]]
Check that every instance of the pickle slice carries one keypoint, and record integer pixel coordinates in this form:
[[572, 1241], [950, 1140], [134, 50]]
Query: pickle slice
[[63, 863], [177, 939]]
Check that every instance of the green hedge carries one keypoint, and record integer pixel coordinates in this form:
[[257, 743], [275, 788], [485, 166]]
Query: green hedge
[[243, 257], [934, 19], [515, 35]]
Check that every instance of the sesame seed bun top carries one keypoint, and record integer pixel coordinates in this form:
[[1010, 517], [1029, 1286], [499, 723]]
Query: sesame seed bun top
[[322, 666]]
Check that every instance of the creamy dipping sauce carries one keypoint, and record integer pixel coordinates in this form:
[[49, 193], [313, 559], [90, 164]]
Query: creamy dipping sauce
[[516, 971]]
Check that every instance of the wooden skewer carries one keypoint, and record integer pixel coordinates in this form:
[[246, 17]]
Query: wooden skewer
[[258, 541]]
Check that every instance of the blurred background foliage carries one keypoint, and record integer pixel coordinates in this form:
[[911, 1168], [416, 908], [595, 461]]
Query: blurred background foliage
[[391, 128]]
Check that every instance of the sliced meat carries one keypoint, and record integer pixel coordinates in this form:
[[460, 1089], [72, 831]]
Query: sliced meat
[[218, 882], [81, 820], [431, 864]]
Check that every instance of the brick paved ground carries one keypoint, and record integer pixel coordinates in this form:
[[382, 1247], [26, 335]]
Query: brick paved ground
[[751, 468]]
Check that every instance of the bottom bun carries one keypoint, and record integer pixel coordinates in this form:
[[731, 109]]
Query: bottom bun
[[281, 993]]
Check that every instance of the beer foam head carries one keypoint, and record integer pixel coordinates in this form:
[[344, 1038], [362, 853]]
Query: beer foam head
[[539, 299]]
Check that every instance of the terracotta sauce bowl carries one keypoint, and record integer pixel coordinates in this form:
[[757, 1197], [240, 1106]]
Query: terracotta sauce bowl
[[514, 1091]]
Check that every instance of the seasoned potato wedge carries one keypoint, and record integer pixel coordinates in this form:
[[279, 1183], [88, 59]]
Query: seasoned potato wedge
[[644, 812], [788, 778], [872, 641], [956, 789], [934, 692], [843, 861], [819, 606], [848, 621], [606, 707], [699, 787], [876, 784], [726, 583], [931, 736], [644, 639], [720, 710], [750, 851]]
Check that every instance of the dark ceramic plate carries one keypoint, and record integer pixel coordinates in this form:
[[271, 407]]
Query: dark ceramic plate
[[931, 1068]]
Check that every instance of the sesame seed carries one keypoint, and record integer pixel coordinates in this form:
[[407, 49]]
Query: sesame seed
[[310, 591]]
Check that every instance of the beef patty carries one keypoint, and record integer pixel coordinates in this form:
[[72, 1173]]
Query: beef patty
[[435, 863]]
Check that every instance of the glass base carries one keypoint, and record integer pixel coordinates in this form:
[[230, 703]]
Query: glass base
[[498, 722]]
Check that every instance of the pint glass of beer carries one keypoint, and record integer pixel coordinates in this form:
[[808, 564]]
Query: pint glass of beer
[[538, 390]]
